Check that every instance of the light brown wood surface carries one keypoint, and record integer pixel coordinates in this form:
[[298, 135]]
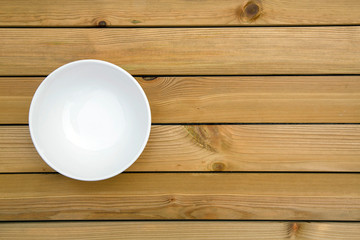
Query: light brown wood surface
[[178, 12], [182, 196], [286, 99], [15, 98], [218, 148], [182, 230], [231, 61], [183, 51]]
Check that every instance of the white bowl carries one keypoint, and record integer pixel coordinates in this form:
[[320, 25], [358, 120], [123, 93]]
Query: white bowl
[[89, 120]]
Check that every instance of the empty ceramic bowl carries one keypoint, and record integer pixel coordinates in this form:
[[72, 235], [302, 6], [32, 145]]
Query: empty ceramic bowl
[[89, 120]]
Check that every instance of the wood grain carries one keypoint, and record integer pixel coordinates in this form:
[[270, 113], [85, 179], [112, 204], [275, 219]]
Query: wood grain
[[178, 13], [182, 196], [15, 99], [184, 51], [325, 99], [218, 148], [182, 230]]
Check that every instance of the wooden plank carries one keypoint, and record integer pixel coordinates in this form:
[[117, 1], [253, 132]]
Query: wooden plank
[[178, 13], [181, 196], [183, 51], [181, 230], [15, 99], [218, 148], [329, 99]]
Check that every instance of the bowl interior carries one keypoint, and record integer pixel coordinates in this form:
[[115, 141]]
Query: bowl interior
[[89, 120]]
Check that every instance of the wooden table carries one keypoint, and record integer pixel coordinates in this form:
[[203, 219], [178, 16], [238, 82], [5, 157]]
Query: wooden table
[[256, 112]]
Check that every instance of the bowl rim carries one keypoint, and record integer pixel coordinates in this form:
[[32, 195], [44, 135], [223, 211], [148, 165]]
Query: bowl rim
[[42, 88]]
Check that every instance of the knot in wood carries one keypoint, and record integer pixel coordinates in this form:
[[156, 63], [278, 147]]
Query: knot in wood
[[149, 78], [218, 166], [250, 11], [102, 24], [293, 230]]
